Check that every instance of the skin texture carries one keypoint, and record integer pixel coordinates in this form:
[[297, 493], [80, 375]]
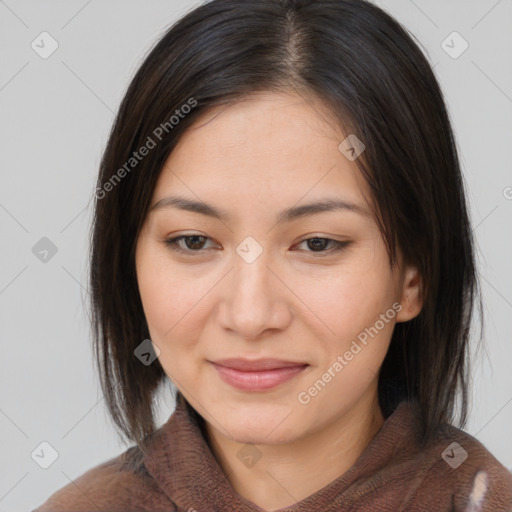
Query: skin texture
[[295, 302]]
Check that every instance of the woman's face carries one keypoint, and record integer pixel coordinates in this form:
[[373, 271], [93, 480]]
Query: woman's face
[[312, 288]]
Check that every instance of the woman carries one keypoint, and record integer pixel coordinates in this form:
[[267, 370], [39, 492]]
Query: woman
[[281, 231]]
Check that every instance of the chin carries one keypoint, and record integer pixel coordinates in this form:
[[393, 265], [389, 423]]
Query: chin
[[262, 423]]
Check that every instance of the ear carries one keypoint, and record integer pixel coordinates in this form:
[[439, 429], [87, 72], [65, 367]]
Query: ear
[[411, 298]]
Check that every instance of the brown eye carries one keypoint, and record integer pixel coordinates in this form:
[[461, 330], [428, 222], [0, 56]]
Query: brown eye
[[318, 245], [193, 243]]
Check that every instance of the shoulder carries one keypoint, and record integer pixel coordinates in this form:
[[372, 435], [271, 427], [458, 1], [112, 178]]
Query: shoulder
[[456, 460], [121, 483]]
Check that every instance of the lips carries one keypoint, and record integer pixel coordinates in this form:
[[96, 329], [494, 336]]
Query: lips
[[255, 365], [257, 375]]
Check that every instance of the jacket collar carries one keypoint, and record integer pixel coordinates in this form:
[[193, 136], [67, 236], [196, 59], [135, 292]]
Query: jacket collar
[[182, 464]]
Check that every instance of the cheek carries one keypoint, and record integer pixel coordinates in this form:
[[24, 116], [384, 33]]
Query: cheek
[[354, 347], [347, 299], [166, 302], [175, 306], [157, 292], [174, 317]]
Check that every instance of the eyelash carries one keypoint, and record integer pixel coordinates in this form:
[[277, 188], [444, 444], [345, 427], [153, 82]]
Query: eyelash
[[338, 246]]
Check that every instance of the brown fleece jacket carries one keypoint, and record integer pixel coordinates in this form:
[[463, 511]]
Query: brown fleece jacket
[[178, 472]]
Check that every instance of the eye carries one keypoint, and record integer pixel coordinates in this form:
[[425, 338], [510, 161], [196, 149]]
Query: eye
[[193, 243], [318, 245]]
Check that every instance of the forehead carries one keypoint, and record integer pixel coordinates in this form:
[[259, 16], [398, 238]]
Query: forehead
[[269, 149]]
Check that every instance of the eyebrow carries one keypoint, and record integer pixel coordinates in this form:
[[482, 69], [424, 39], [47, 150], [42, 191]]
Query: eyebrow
[[325, 205]]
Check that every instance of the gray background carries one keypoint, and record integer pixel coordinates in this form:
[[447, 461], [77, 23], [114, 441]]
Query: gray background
[[55, 117]]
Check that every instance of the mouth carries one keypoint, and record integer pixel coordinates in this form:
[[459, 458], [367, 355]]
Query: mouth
[[259, 374]]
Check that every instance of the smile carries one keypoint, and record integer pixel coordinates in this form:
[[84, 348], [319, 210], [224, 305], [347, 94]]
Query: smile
[[258, 379]]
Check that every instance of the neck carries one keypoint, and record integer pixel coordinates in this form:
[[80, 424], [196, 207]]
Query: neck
[[288, 473]]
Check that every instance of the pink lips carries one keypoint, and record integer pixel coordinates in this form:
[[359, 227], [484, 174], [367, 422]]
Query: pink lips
[[257, 375]]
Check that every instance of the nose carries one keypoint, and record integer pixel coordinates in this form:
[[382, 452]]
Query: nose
[[254, 299]]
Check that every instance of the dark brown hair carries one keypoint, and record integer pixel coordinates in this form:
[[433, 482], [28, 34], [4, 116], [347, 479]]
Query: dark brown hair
[[373, 77]]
